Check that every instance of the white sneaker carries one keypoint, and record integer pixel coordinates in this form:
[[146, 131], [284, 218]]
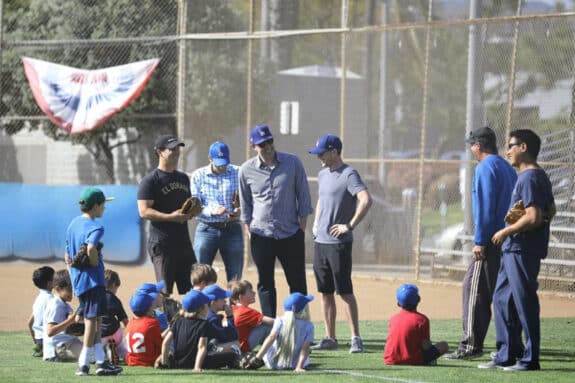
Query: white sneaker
[[356, 345], [326, 343]]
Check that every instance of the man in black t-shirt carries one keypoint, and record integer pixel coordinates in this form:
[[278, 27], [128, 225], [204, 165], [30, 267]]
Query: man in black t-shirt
[[160, 197]]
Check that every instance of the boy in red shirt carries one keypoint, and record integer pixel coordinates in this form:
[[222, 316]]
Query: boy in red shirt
[[253, 326], [143, 335], [408, 336]]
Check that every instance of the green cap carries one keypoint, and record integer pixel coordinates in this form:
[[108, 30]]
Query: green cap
[[93, 196]]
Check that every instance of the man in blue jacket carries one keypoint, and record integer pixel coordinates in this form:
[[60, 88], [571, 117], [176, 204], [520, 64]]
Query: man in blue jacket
[[491, 192]]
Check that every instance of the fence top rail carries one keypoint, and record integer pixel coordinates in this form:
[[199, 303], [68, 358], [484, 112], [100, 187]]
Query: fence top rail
[[256, 35]]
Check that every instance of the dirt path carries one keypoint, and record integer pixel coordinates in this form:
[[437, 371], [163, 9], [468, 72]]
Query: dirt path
[[376, 296]]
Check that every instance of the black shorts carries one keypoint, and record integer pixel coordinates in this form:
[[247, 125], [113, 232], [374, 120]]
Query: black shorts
[[172, 264], [93, 303], [332, 268]]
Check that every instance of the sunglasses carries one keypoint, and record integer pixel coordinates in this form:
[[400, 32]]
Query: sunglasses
[[512, 144], [263, 144]]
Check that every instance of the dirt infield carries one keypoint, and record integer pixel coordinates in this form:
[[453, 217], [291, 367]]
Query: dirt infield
[[376, 296]]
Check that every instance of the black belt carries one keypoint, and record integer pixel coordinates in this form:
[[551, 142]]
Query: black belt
[[220, 225]]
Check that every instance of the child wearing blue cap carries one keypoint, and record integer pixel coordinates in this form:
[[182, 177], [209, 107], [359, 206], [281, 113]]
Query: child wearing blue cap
[[224, 333], [287, 347], [408, 341], [189, 335], [143, 333]]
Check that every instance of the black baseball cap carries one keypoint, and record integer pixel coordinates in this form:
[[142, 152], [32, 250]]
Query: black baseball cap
[[484, 136], [167, 141]]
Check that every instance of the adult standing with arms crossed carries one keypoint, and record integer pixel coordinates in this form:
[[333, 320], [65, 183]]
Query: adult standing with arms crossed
[[160, 197], [216, 185], [343, 201], [493, 183], [275, 203], [525, 241]]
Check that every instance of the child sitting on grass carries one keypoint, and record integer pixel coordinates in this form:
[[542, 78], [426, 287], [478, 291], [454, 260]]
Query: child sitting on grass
[[112, 336], [287, 347], [42, 278], [253, 326], [143, 334], [59, 345], [408, 341], [189, 334], [224, 332]]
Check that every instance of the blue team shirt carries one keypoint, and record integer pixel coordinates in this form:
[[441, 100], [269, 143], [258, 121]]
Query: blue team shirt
[[534, 188], [85, 230]]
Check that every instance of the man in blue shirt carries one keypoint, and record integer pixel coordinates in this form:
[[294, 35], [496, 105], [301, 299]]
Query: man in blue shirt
[[218, 224], [275, 203], [491, 191], [524, 243]]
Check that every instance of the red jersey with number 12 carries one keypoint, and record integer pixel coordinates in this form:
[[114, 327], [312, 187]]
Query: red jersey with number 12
[[143, 339]]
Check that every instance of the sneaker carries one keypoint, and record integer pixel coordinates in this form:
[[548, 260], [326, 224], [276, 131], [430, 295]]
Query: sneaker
[[462, 355], [37, 351], [83, 371], [490, 365], [356, 345], [326, 343], [493, 354], [522, 367], [107, 368]]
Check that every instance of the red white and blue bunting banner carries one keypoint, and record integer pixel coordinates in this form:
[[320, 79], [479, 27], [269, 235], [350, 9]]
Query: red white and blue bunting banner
[[80, 100]]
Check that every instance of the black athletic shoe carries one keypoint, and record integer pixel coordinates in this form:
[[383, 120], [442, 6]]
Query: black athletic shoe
[[107, 368]]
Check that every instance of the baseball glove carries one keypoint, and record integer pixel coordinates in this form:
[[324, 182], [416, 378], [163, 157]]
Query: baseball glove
[[236, 200], [81, 260], [75, 329], [516, 212], [171, 308], [249, 361], [192, 206]]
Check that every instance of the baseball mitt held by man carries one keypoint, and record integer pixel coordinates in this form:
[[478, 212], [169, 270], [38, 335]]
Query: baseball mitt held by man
[[250, 361], [192, 206], [517, 211]]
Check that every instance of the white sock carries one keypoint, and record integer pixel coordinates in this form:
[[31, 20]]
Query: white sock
[[99, 353], [84, 358]]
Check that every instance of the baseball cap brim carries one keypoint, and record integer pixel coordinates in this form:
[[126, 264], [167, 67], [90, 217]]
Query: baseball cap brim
[[318, 150], [220, 161]]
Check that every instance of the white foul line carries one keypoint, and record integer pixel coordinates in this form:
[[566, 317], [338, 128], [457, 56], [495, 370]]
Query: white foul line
[[379, 377]]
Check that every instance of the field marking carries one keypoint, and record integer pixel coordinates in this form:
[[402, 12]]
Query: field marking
[[379, 377]]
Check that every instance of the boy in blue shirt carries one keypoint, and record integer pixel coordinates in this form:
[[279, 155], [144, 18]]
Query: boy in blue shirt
[[89, 282]]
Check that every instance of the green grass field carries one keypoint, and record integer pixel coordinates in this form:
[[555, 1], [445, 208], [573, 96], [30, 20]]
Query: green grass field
[[557, 362]]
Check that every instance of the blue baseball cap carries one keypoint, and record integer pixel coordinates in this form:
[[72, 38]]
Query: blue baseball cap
[[296, 302], [220, 153], [407, 295], [217, 292], [195, 299], [141, 302], [151, 287], [325, 143], [259, 134]]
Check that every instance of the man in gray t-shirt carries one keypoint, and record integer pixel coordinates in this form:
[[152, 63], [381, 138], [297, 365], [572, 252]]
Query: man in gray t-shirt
[[343, 201]]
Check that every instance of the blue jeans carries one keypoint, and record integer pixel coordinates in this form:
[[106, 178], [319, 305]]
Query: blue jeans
[[229, 241]]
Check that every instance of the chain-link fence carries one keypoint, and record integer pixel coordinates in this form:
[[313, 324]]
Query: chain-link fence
[[399, 81]]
